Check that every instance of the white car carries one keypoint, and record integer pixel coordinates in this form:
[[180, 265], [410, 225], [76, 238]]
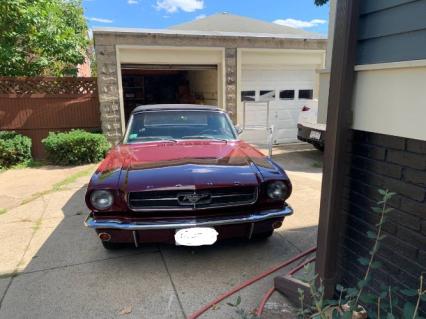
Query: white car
[[308, 128]]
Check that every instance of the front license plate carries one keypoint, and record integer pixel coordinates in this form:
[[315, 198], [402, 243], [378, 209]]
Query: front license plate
[[315, 135], [196, 236]]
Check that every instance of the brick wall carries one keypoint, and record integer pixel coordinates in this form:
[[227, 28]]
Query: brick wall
[[394, 163]]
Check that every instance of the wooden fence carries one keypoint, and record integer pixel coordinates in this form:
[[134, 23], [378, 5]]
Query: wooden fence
[[36, 106]]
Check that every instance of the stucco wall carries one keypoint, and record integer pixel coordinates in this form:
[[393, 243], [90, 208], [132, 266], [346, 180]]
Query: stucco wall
[[390, 98]]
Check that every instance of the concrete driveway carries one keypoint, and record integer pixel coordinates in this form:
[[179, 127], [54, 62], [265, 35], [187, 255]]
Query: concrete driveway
[[53, 267]]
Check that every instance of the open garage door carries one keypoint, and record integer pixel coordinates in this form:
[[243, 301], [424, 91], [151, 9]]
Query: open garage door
[[168, 84], [286, 91]]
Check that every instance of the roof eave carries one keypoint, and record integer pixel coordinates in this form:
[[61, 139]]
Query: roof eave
[[204, 33]]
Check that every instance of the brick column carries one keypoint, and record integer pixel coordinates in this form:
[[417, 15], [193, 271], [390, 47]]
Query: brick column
[[109, 99], [231, 82]]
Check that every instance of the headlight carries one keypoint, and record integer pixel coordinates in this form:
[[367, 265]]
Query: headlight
[[101, 199], [276, 190]]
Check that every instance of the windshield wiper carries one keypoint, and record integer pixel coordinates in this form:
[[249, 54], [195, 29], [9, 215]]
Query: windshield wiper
[[168, 140], [204, 137], [156, 139]]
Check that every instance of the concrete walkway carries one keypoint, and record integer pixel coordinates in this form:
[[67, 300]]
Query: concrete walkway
[[53, 267], [17, 185]]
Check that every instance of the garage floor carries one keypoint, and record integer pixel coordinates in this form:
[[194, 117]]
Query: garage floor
[[63, 271]]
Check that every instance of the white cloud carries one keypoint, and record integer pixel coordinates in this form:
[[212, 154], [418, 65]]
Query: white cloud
[[201, 16], [172, 6], [132, 2], [300, 24], [101, 20]]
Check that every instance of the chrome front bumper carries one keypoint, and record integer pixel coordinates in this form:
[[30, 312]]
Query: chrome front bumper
[[185, 223]]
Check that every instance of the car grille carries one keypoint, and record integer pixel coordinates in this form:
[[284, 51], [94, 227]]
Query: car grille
[[193, 199]]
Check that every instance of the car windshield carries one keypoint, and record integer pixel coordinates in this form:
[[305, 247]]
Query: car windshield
[[175, 125]]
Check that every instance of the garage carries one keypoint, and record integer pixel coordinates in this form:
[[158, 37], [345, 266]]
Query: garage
[[275, 86], [285, 91], [168, 84], [261, 73]]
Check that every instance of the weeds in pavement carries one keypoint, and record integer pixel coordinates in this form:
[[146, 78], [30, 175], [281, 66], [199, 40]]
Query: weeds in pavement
[[351, 301], [59, 186], [242, 314]]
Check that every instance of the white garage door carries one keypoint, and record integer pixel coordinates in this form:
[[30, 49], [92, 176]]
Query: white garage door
[[286, 91]]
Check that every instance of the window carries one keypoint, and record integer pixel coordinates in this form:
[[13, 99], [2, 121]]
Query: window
[[179, 125], [306, 94], [174, 118], [248, 96], [287, 95], [266, 95]]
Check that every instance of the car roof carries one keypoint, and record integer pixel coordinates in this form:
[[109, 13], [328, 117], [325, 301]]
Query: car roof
[[169, 107]]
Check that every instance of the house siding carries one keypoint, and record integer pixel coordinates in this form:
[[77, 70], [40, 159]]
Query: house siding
[[394, 163], [391, 31]]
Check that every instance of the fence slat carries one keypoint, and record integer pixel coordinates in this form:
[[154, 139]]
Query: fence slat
[[36, 106]]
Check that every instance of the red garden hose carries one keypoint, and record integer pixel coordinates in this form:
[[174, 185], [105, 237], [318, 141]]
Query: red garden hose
[[264, 300], [271, 291], [249, 282]]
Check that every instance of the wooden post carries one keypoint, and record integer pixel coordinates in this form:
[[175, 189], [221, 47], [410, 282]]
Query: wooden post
[[339, 121]]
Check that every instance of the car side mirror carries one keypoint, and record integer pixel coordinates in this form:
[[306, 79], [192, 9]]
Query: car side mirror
[[238, 129]]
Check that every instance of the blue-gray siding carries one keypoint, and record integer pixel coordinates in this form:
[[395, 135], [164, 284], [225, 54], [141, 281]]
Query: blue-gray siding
[[391, 31]]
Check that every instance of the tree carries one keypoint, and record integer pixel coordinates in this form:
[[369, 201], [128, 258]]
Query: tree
[[320, 2], [42, 37]]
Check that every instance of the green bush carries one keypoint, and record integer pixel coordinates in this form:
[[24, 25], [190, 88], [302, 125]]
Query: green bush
[[75, 147], [14, 149]]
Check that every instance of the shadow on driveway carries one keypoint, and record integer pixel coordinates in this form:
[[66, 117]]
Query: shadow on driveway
[[70, 275]]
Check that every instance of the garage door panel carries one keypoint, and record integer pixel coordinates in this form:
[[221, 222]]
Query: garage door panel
[[283, 114], [256, 115], [278, 76]]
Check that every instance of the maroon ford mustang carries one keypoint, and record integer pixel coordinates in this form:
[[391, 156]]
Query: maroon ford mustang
[[182, 176]]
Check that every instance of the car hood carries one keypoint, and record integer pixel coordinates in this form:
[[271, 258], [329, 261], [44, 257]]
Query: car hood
[[186, 164]]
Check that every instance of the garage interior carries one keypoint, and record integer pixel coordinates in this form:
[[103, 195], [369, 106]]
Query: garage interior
[[168, 84]]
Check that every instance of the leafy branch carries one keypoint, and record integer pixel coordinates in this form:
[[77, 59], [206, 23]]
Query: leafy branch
[[350, 299], [377, 238], [320, 2]]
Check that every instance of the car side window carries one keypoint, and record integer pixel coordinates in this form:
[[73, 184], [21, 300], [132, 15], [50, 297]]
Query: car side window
[[287, 95]]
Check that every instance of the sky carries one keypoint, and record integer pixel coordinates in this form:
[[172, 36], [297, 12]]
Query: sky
[[159, 14]]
